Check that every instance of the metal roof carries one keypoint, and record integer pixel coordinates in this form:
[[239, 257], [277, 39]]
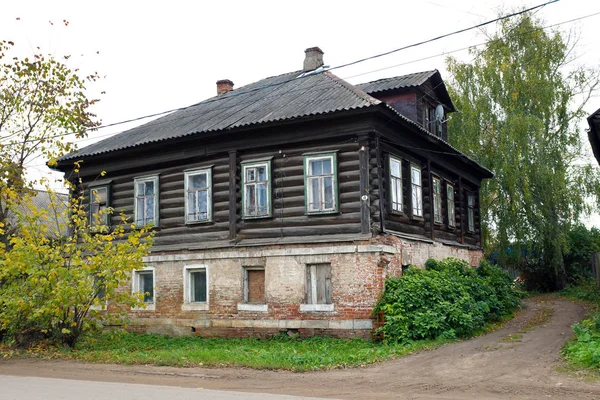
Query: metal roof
[[397, 82], [277, 98]]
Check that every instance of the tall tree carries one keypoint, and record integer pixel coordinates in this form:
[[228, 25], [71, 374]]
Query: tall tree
[[520, 103], [42, 101]]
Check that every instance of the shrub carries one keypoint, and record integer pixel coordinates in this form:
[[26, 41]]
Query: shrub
[[449, 299]]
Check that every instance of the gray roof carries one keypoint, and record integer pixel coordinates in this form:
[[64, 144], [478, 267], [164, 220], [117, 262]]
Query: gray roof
[[272, 99], [397, 82]]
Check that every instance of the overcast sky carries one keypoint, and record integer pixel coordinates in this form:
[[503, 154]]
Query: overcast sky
[[160, 55]]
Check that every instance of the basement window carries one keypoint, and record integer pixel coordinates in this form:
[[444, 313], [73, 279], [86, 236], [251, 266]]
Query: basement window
[[254, 290], [195, 282], [318, 288], [144, 283]]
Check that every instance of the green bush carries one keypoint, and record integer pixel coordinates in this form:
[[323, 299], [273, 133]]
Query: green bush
[[582, 243], [448, 299]]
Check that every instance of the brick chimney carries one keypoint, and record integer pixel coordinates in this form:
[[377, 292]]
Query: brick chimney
[[313, 59], [224, 86]]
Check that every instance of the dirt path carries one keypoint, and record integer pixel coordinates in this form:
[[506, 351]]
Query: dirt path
[[515, 362]]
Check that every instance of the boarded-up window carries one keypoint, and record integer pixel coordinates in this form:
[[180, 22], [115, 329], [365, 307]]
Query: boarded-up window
[[254, 285], [318, 284]]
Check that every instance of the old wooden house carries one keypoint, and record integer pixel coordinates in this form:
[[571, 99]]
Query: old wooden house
[[284, 204]]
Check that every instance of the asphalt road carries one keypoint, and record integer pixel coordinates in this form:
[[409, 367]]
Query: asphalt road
[[29, 388]]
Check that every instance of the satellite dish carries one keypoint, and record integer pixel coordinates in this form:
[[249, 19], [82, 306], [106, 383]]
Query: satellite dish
[[439, 113]]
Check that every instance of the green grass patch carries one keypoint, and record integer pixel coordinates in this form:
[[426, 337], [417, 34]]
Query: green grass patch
[[583, 352], [277, 353]]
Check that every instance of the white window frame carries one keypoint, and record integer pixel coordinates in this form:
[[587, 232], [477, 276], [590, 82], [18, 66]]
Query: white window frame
[[92, 221], [308, 188], [438, 217], [189, 305], [208, 189], [396, 193], [311, 304], [254, 307], [135, 287], [246, 183], [471, 212], [136, 182], [451, 203], [416, 191]]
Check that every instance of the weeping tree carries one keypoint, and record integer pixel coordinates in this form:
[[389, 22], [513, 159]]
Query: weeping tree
[[520, 105]]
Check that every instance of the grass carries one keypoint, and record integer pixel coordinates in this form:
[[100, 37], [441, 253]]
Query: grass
[[583, 352], [277, 353]]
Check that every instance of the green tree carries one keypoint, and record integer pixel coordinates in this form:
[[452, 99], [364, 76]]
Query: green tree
[[56, 285], [42, 100], [520, 102]]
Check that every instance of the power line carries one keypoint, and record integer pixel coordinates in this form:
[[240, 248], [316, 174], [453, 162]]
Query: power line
[[233, 94]]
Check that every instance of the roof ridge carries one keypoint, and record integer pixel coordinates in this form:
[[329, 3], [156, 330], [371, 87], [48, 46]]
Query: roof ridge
[[398, 76]]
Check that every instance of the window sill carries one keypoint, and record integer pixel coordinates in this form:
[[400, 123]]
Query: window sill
[[321, 212], [251, 217], [194, 307], [252, 307], [149, 307], [316, 308], [198, 222]]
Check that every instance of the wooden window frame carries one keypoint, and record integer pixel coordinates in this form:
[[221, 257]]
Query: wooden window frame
[[438, 217], [135, 287], [392, 180], [451, 205], [154, 179], [189, 303], [470, 212], [208, 189], [93, 221], [308, 189], [245, 167], [419, 193]]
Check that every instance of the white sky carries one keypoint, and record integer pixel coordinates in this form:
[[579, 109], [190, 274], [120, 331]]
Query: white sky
[[156, 56]]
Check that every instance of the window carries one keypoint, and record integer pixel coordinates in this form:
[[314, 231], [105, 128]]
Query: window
[[437, 201], [318, 288], [99, 290], [195, 287], [143, 282], [99, 206], [257, 190], [254, 290], [471, 212], [417, 191], [450, 199], [146, 201], [198, 196], [396, 184], [320, 183]]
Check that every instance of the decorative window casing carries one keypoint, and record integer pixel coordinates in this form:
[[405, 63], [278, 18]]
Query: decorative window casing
[[99, 203], [256, 195], [144, 282], [416, 191], [471, 212], [320, 183], [254, 290], [146, 201], [451, 206], [198, 196], [396, 195], [437, 201], [318, 288], [195, 287]]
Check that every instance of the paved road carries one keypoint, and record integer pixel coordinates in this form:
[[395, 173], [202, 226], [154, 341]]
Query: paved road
[[28, 388]]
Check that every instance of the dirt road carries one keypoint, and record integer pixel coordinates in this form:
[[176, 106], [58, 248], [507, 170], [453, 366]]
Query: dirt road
[[516, 362]]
